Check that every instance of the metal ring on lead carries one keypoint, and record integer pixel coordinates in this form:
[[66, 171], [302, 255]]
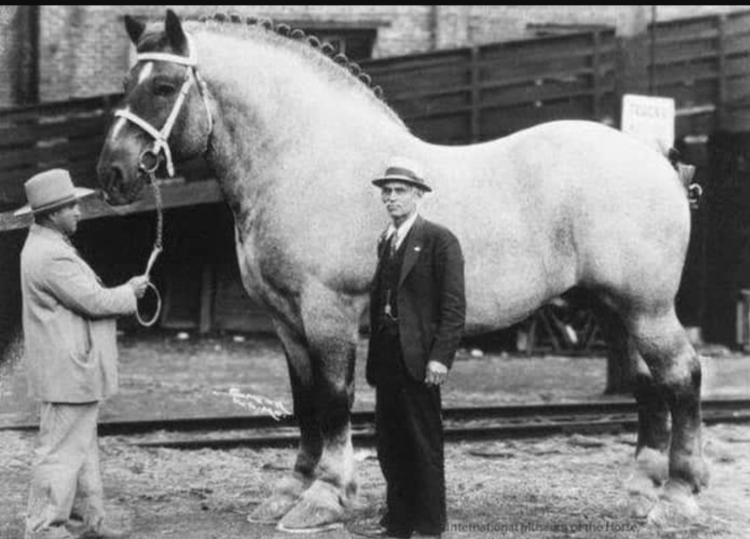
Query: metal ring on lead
[[151, 166], [151, 321]]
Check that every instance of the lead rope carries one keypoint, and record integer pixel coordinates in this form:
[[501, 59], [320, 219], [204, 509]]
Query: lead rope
[[158, 245]]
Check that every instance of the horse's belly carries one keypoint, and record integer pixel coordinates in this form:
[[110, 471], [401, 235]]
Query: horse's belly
[[496, 301]]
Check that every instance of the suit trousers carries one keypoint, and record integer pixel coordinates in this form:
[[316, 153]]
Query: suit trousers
[[409, 427], [66, 465]]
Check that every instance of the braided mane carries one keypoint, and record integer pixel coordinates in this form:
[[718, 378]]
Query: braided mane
[[297, 35]]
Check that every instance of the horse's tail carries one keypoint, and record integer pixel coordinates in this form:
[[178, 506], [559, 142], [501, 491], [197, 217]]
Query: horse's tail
[[685, 173]]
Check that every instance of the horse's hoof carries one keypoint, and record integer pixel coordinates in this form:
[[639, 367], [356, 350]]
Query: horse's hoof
[[640, 504], [652, 464], [642, 493], [676, 507], [320, 508], [284, 497]]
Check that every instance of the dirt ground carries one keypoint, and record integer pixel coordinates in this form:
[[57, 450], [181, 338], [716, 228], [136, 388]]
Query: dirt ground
[[565, 486]]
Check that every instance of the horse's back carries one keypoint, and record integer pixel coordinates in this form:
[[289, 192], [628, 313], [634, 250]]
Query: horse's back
[[558, 205]]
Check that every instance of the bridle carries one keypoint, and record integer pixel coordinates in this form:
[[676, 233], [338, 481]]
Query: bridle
[[148, 161]]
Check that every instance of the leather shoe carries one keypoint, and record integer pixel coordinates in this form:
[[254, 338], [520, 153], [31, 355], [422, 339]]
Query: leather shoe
[[104, 532], [377, 532], [53, 532]]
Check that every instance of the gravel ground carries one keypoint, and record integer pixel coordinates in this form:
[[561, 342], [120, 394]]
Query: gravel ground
[[565, 486]]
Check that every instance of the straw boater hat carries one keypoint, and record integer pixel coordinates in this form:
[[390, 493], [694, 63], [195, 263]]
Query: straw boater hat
[[401, 169], [50, 190]]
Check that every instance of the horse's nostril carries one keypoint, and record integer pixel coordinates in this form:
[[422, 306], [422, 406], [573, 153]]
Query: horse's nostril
[[116, 176], [115, 179]]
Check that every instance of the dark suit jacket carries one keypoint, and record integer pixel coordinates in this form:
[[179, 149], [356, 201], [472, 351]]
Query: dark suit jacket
[[431, 300]]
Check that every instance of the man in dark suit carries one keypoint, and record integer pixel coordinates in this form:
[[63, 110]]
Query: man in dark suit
[[417, 314]]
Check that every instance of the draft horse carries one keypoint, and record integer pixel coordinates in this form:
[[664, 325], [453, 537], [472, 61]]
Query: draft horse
[[294, 137]]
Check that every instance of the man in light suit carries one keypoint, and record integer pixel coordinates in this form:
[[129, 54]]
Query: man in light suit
[[71, 359], [417, 314]]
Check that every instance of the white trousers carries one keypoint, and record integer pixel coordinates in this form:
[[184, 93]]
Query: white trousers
[[66, 469]]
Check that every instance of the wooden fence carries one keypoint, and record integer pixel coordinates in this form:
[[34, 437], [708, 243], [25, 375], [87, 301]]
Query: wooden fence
[[481, 93], [704, 64], [68, 134]]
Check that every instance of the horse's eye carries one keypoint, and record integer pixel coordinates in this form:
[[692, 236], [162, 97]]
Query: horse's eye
[[163, 89]]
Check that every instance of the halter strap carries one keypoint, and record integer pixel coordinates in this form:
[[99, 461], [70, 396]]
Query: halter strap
[[191, 75]]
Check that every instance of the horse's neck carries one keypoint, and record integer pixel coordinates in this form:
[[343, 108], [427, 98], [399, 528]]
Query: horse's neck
[[278, 120]]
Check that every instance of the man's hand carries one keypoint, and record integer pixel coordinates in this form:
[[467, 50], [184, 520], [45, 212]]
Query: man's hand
[[138, 284], [437, 373]]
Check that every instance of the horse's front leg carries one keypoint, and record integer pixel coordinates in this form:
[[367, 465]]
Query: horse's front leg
[[331, 328], [288, 491]]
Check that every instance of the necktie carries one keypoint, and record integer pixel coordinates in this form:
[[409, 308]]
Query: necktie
[[393, 245]]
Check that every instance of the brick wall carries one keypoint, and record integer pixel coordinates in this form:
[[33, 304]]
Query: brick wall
[[9, 42], [84, 50]]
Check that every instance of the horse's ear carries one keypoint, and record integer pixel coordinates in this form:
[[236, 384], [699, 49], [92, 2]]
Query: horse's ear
[[175, 34], [135, 28]]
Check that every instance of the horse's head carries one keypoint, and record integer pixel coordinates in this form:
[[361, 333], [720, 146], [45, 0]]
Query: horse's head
[[165, 114]]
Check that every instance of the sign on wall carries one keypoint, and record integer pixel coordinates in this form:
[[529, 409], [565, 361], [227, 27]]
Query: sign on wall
[[650, 119]]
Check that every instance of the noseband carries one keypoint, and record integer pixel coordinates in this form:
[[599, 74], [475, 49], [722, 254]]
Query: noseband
[[149, 159]]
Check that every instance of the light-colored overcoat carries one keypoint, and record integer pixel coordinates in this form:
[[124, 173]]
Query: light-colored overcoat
[[68, 322]]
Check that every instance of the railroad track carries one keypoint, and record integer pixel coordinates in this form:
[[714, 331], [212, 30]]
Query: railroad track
[[472, 423]]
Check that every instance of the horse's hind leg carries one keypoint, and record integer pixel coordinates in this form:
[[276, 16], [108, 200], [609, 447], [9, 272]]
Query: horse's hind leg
[[651, 456], [331, 324], [288, 491], [676, 373], [651, 460]]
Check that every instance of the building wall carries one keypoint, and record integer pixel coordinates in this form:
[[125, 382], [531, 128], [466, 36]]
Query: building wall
[[9, 43], [84, 50]]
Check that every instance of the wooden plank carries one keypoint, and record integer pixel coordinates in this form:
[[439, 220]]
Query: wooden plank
[[504, 121], [380, 67], [737, 22], [511, 78], [686, 52], [71, 128], [539, 67], [699, 93], [737, 66], [421, 79], [174, 194], [555, 76], [737, 44], [737, 89], [443, 129], [65, 108], [684, 28], [550, 70], [699, 33], [571, 44], [64, 150], [687, 73], [541, 95]]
